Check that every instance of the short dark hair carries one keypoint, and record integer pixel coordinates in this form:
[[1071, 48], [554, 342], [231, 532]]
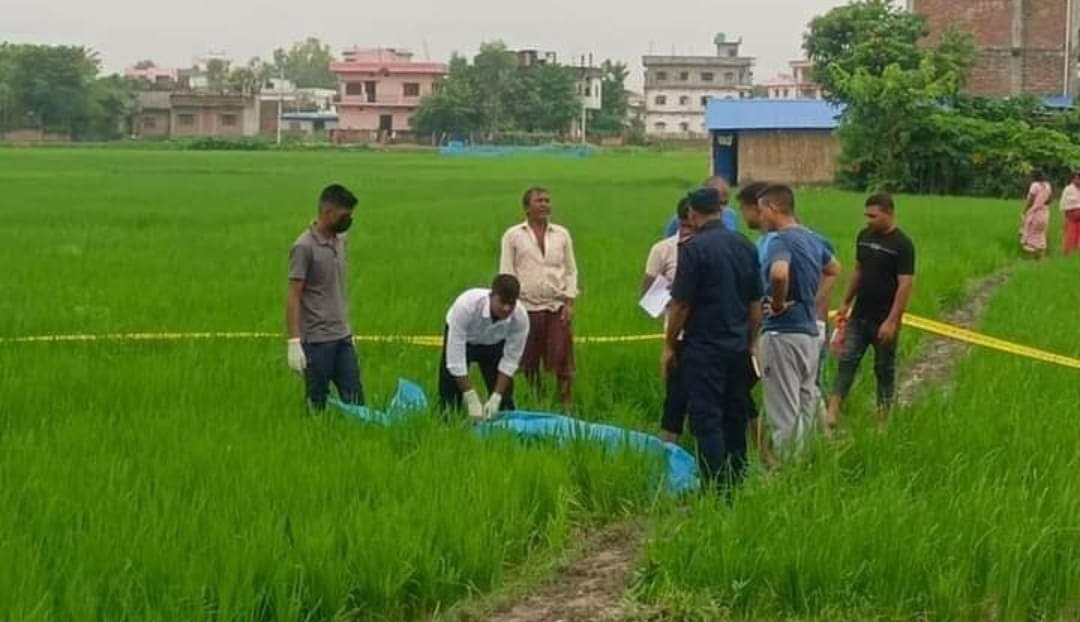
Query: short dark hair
[[507, 287], [682, 210], [338, 196], [705, 200], [748, 194], [883, 201], [525, 198], [780, 196], [1038, 175]]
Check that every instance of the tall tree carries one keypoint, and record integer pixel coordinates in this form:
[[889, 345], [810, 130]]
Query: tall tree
[[493, 74], [453, 111], [217, 74], [50, 86], [612, 116], [865, 34], [307, 63]]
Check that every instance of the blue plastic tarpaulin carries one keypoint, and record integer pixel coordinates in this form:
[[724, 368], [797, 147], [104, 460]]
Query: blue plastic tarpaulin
[[680, 474]]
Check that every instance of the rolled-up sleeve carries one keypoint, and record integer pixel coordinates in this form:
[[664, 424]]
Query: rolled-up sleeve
[[506, 254], [515, 343], [456, 338]]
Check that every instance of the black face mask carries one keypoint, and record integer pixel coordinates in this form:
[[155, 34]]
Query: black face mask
[[343, 225]]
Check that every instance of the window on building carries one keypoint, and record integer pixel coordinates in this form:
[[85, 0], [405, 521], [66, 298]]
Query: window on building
[[412, 89], [661, 100], [185, 120], [729, 77], [149, 123], [684, 76], [661, 76], [684, 126], [354, 88], [707, 76], [704, 100], [732, 52], [228, 120], [684, 100], [294, 125], [588, 90], [787, 94], [660, 126]]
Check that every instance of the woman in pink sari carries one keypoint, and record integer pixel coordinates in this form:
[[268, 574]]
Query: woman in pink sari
[[1036, 216]]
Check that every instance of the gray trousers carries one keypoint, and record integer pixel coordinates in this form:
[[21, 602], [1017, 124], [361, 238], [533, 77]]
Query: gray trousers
[[789, 364]]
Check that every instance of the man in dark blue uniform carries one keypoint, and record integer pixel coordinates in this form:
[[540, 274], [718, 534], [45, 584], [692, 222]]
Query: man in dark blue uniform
[[716, 306]]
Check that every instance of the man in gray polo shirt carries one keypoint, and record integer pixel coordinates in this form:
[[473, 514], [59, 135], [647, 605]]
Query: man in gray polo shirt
[[320, 338]]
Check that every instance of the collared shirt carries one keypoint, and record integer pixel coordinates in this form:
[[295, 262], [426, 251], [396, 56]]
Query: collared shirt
[[718, 275], [663, 258], [320, 263], [469, 321], [548, 277]]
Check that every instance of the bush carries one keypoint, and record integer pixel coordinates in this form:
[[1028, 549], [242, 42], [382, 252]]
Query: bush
[[214, 143]]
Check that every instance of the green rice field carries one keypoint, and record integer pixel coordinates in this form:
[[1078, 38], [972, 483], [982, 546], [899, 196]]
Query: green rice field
[[185, 479]]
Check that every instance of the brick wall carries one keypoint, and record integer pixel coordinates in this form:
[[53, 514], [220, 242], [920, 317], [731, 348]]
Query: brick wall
[[1039, 59]]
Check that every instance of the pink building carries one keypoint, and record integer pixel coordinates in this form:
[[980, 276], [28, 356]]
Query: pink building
[[796, 85], [379, 91]]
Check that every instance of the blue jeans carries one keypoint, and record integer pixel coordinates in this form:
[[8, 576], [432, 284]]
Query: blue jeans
[[332, 361], [861, 334]]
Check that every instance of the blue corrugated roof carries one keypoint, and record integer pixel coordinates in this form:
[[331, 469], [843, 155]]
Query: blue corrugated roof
[[309, 116], [771, 114]]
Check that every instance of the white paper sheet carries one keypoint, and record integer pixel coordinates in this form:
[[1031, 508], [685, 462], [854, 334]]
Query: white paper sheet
[[655, 301]]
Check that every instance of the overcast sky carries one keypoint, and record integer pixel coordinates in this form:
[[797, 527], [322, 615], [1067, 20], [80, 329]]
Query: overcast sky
[[172, 33]]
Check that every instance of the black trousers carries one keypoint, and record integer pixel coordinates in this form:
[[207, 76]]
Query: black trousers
[[332, 361], [487, 357], [719, 407], [675, 399]]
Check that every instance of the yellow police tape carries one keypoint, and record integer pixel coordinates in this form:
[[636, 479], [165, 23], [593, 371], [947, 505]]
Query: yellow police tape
[[435, 341]]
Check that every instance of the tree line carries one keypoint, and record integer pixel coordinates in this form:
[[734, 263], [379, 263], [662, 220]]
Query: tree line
[[496, 96], [907, 125]]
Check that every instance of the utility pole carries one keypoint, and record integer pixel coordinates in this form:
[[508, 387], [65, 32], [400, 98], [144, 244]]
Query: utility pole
[[280, 102]]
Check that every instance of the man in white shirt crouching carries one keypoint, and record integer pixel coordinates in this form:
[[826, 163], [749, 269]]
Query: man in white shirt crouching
[[487, 327]]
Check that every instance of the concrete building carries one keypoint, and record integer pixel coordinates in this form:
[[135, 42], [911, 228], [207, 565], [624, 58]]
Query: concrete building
[[161, 76], [1025, 46], [176, 115], [795, 85], [378, 93], [678, 88], [786, 140]]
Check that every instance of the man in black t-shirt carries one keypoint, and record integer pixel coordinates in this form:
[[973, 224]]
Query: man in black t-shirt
[[880, 288]]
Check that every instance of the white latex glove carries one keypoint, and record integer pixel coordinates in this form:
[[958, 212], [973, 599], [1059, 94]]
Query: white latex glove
[[472, 404], [491, 408], [297, 360]]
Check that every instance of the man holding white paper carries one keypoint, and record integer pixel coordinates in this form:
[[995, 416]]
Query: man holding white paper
[[660, 269]]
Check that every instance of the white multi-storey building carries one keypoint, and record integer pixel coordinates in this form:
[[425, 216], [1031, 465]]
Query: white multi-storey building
[[678, 88]]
